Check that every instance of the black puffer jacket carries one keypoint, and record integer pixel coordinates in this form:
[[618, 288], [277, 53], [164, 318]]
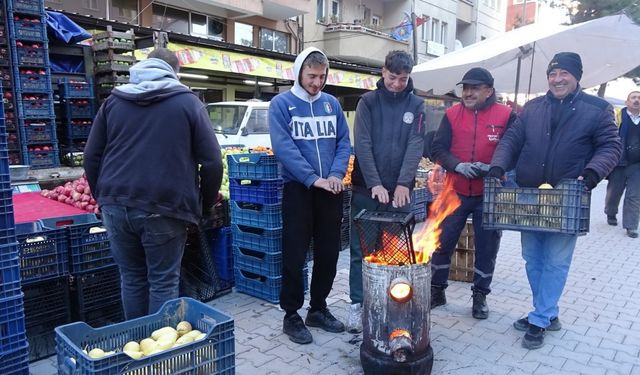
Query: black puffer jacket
[[586, 137]]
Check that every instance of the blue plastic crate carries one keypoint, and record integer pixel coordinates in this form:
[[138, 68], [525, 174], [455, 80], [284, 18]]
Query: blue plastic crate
[[253, 166], [78, 128], [213, 355], [12, 328], [16, 362], [26, 6], [89, 248], [70, 88], [29, 28], [223, 253], [260, 262], [261, 286], [31, 54], [38, 131], [43, 252], [256, 191], [257, 238], [35, 106], [5, 173], [79, 108], [9, 271], [41, 159], [6, 207], [563, 209], [266, 216], [34, 80]]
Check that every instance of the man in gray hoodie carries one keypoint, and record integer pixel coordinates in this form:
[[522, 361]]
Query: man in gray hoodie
[[153, 163]]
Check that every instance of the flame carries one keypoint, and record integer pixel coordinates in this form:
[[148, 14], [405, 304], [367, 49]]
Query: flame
[[391, 251], [428, 239]]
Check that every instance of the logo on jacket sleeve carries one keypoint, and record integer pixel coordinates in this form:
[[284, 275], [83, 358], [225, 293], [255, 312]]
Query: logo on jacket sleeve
[[407, 118], [327, 108]]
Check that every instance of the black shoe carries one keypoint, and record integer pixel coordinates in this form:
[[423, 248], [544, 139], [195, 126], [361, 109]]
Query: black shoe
[[611, 220], [523, 324], [480, 309], [632, 233], [534, 338], [293, 327], [438, 298], [323, 319]]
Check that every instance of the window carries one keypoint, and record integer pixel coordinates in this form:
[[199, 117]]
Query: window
[[443, 33], [274, 40], [90, 4], [435, 30], [375, 21], [207, 27], [258, 122], [127, 9], [170, 19], [244, 34], [335, 10], [424, 30], [198, 24], [320, 16]]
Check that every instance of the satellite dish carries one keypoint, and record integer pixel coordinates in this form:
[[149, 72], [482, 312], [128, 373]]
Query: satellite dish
[[457, 45]]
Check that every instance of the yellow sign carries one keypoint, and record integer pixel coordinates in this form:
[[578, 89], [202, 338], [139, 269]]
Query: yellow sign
[[233, 62]]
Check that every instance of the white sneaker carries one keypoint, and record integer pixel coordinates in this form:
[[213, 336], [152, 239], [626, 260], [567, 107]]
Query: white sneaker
[[354, 322]]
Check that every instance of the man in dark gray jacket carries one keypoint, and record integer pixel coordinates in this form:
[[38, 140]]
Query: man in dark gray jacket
[[564, 134], [389, 140]]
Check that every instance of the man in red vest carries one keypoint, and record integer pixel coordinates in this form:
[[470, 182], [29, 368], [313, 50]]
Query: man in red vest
[[464, 145]]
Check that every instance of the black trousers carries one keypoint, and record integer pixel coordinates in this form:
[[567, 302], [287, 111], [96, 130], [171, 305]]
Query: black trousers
[[309, 213]]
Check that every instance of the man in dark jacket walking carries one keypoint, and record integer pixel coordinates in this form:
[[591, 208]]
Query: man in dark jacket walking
[[626, 176], [153, 163], [464, 145], [389, 138], [564, 134]]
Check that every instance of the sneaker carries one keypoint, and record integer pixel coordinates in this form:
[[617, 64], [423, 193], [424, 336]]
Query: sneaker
[[523, 324], [323, 319], [438, 297], [294, 327], [632, 233], [534, 338], [480, 309], [612, 220], [354, 323]]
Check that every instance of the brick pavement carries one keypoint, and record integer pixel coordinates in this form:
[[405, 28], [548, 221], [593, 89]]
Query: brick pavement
[[600, 312]]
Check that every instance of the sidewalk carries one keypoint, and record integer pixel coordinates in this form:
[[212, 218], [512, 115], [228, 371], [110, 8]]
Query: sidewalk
[[600, 313]]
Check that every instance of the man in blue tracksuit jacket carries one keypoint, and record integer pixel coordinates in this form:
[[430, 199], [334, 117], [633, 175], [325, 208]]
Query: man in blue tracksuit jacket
[[310, 138]]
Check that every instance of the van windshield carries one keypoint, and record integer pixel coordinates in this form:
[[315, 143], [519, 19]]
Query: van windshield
[[226, 119]]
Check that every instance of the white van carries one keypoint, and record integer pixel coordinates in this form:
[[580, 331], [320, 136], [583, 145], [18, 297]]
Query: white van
[[241, 123]]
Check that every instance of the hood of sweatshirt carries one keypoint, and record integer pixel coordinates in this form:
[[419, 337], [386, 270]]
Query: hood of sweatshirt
[[151, 80], [297, 88]]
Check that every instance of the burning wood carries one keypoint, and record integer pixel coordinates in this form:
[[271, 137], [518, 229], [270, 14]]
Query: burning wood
[[428, 239]]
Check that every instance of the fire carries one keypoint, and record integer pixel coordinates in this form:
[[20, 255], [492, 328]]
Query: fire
[[392, 252], [428, 239]]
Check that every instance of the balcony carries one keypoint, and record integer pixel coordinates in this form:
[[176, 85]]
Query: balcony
[[238, 9], [359, 44]]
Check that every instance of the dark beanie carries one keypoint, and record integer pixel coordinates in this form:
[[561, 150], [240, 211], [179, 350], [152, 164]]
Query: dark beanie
[[569, 61]]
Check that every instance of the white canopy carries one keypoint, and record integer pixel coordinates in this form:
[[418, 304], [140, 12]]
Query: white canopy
[[609, 47]]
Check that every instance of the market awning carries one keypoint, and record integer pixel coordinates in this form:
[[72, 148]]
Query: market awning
[[233, 62]]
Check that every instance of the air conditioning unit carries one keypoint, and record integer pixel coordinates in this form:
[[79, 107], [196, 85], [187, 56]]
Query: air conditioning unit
[[435, 48]]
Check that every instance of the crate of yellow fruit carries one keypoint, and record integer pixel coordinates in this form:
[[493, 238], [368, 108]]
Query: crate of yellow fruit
[[184, 337], [563, 208]]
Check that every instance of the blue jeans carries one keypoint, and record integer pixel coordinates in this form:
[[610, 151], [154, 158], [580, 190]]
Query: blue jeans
[[362, 201], [548, 258], [148, 249], [486, 243]]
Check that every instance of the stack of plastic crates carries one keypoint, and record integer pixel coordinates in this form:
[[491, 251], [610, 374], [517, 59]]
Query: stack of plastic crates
[[419, 199], [45, 284], [32, 82], [255, 188], [6, 74], [94, 278], [113, 60], [214, 354], [14, 355], [78, 111], [345, 227]]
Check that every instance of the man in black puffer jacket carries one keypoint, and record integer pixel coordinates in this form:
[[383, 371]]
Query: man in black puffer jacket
[[564, 134]]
